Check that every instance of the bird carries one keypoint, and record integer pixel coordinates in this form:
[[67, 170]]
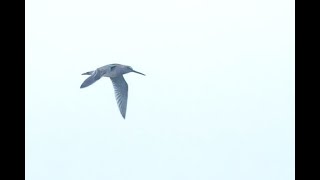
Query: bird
[[115, 72]]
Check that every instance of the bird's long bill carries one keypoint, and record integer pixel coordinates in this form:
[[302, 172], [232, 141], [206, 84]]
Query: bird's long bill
[[138, 72]]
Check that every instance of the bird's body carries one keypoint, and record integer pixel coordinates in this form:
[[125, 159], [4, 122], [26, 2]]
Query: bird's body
[[115, 73]]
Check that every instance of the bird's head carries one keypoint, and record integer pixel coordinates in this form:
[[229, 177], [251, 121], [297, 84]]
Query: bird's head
[[130, 69]]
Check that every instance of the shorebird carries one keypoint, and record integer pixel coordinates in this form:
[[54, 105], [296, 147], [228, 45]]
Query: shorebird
[[115, 73]]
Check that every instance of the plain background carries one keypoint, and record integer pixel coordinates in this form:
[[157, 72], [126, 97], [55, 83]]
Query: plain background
[[217, 101]]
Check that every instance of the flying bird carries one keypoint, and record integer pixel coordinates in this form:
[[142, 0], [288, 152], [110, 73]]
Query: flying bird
[[115, 73]]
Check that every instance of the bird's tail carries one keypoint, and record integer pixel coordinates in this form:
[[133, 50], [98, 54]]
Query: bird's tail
[[87, 73], [95, 76]]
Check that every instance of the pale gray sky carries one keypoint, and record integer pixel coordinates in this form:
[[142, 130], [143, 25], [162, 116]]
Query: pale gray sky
[[217, 101]]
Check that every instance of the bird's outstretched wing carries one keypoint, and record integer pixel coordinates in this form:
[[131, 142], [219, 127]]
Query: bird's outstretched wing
[[95, 75], [121, 91]]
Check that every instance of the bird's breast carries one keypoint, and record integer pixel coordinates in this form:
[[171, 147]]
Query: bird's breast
[[113, 74]]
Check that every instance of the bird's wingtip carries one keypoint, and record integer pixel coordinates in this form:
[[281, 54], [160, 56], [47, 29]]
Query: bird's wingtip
[[82, 86]]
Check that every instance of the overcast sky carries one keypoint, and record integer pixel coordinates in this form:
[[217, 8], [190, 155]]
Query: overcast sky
[[217, 101]]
